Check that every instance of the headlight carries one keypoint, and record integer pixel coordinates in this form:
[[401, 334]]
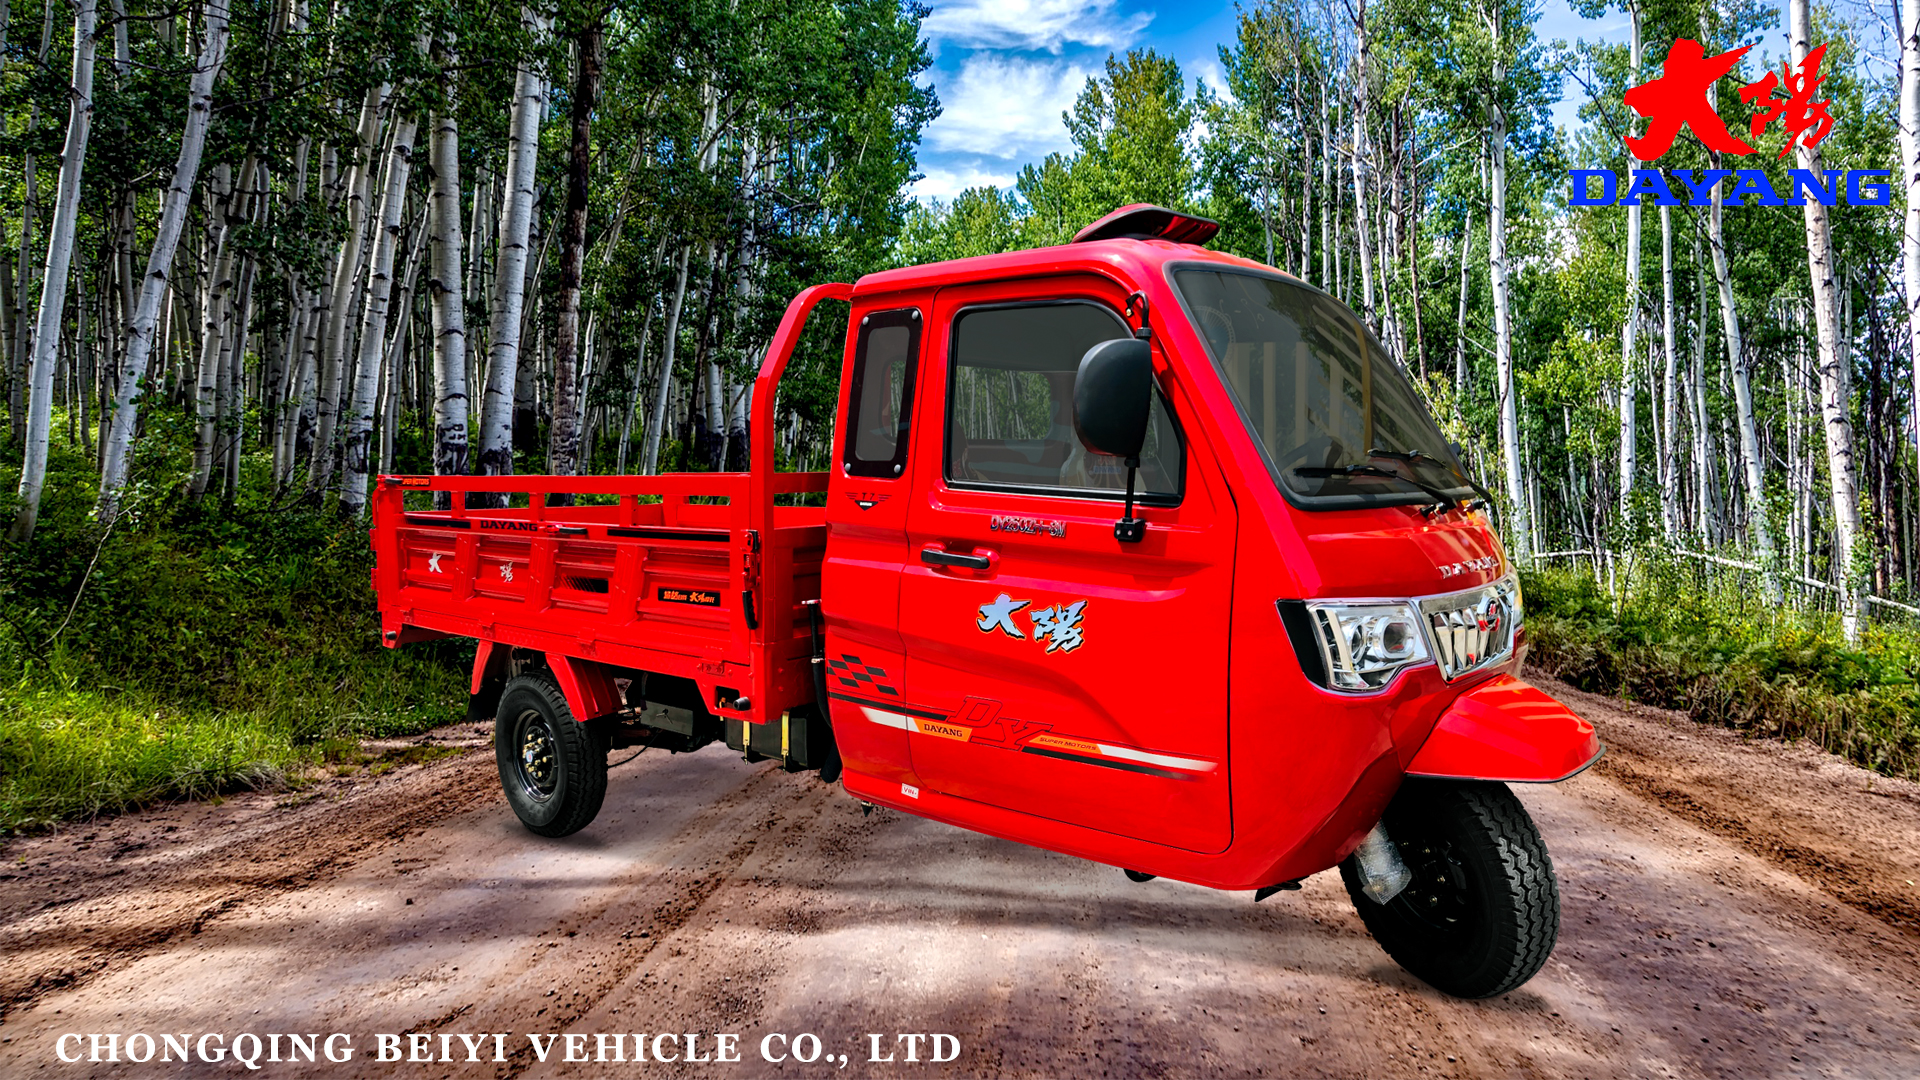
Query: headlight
[[1365, 645]]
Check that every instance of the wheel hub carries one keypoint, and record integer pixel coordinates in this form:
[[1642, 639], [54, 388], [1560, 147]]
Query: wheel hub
[[1438, 895], [537, 769]]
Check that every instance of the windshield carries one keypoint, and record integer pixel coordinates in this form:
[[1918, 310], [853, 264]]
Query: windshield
[[1339, 422]]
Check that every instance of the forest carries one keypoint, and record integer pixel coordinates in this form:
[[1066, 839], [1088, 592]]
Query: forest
[[256, 253]]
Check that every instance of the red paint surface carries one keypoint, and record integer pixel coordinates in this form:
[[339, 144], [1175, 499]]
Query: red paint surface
[[1507, 730], [1180, 737]]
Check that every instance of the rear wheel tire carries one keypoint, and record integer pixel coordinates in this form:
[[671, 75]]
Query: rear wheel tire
[[553, 768], [1483, 910]]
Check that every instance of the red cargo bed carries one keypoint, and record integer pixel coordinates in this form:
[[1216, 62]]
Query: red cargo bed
[[713, 591]]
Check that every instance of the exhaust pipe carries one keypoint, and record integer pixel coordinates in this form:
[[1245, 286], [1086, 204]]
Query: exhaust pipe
[[1382, 873]]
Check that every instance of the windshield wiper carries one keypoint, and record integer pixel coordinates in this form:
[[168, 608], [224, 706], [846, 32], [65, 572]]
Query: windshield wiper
[[1442, 500], [1414, 457]]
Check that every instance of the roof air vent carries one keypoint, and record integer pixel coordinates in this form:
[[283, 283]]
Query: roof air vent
[[1145, 221]]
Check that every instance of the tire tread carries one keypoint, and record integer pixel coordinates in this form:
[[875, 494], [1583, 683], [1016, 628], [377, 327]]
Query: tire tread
[[1531, 894], [582, 750]]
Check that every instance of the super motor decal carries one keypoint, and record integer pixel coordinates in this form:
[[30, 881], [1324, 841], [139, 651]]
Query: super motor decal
[[980, 721]]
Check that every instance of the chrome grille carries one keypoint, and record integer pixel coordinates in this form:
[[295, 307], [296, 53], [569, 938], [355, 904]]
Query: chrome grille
[[1469, 630]]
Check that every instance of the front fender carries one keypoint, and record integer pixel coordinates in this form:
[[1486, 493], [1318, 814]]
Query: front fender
[[1506, 730]]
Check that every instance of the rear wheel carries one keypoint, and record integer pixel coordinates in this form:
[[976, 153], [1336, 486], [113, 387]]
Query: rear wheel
[[552, 767], [1483, 910]]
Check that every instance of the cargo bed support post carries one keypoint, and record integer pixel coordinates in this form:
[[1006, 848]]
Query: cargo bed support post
[[760, 461]]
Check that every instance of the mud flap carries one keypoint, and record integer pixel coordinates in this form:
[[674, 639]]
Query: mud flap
[[490, 671], [588, 686], [1506, 730]]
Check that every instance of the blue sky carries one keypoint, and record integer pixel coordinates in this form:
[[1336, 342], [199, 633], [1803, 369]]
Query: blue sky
[[1006, 69]]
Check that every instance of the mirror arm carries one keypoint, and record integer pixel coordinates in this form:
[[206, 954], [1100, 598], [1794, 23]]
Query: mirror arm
[[1138, 301], [1129, 529]]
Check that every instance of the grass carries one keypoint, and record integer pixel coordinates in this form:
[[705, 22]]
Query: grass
[[212, 649], [1724, 655]]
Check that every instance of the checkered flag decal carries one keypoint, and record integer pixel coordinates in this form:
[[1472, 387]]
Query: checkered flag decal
[[858, 676]]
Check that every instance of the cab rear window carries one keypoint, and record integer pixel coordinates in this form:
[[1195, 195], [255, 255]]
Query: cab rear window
[[880, 402], [1010, 406]]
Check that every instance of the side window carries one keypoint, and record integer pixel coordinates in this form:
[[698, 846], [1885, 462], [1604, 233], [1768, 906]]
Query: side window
[[1010, 406], [880, 400]]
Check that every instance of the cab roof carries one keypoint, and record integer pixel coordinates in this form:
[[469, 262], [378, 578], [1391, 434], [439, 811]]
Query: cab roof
[[1133, 242]]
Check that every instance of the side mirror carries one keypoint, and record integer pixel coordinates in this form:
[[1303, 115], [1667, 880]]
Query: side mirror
[[1112, 405], [1111, 397]]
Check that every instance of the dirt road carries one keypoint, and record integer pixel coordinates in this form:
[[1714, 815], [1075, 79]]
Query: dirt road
[[1730, 909]]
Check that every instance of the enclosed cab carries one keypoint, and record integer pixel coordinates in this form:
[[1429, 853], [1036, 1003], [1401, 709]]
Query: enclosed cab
[[1130, 550]]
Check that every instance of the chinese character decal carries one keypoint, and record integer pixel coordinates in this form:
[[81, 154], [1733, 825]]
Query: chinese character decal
[[1805, 120], [1678, 98], [1058, 626], [999, 614]]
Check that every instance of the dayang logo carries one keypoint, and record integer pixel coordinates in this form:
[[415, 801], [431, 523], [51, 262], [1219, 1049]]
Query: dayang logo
[[1678, 98]]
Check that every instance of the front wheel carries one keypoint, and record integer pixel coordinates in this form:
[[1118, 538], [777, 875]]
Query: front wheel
[[552, 767], [1483, 910]]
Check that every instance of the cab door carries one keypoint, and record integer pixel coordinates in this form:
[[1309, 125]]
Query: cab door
[[1054, 670], [866, 517]]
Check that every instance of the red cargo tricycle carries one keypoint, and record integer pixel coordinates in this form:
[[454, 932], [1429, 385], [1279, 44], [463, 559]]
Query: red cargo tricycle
[[1132, 550]]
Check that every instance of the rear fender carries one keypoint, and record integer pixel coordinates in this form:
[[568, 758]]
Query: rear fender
[[1506, 730], [490, 672], [588, 686]]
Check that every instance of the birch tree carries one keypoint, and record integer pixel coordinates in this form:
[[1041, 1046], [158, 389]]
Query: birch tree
[[355, 449], [563, 452], [516, 224], [332, 361], [1629, 359], [1910, 176], [1669, 387], [53, 294], [1750, 461], [1519, 531], [1836, 422], [449, 302], [153, 287]]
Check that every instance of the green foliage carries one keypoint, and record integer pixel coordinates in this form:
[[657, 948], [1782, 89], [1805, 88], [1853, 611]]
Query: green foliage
[[192, 649], [1726, 656]]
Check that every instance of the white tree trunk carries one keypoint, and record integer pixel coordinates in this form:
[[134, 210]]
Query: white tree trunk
[[332, 360], [1834, 381], [53, 295], [153, 288], [357, 444], [1519, 526], [449, 306], [1629, 369], [516, 224], [1669, 388], [213, 338], [396, 354], [1360, 200], [658, 419], [1460, 323], [1706, 509], [1751, 465], [1910, 173]]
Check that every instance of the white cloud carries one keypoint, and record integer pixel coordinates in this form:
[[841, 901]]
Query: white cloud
[[945, 183], [1032, 24], [1005, 107], [1207, 69]]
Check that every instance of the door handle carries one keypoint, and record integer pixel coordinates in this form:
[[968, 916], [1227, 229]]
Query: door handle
[[934, 556]]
